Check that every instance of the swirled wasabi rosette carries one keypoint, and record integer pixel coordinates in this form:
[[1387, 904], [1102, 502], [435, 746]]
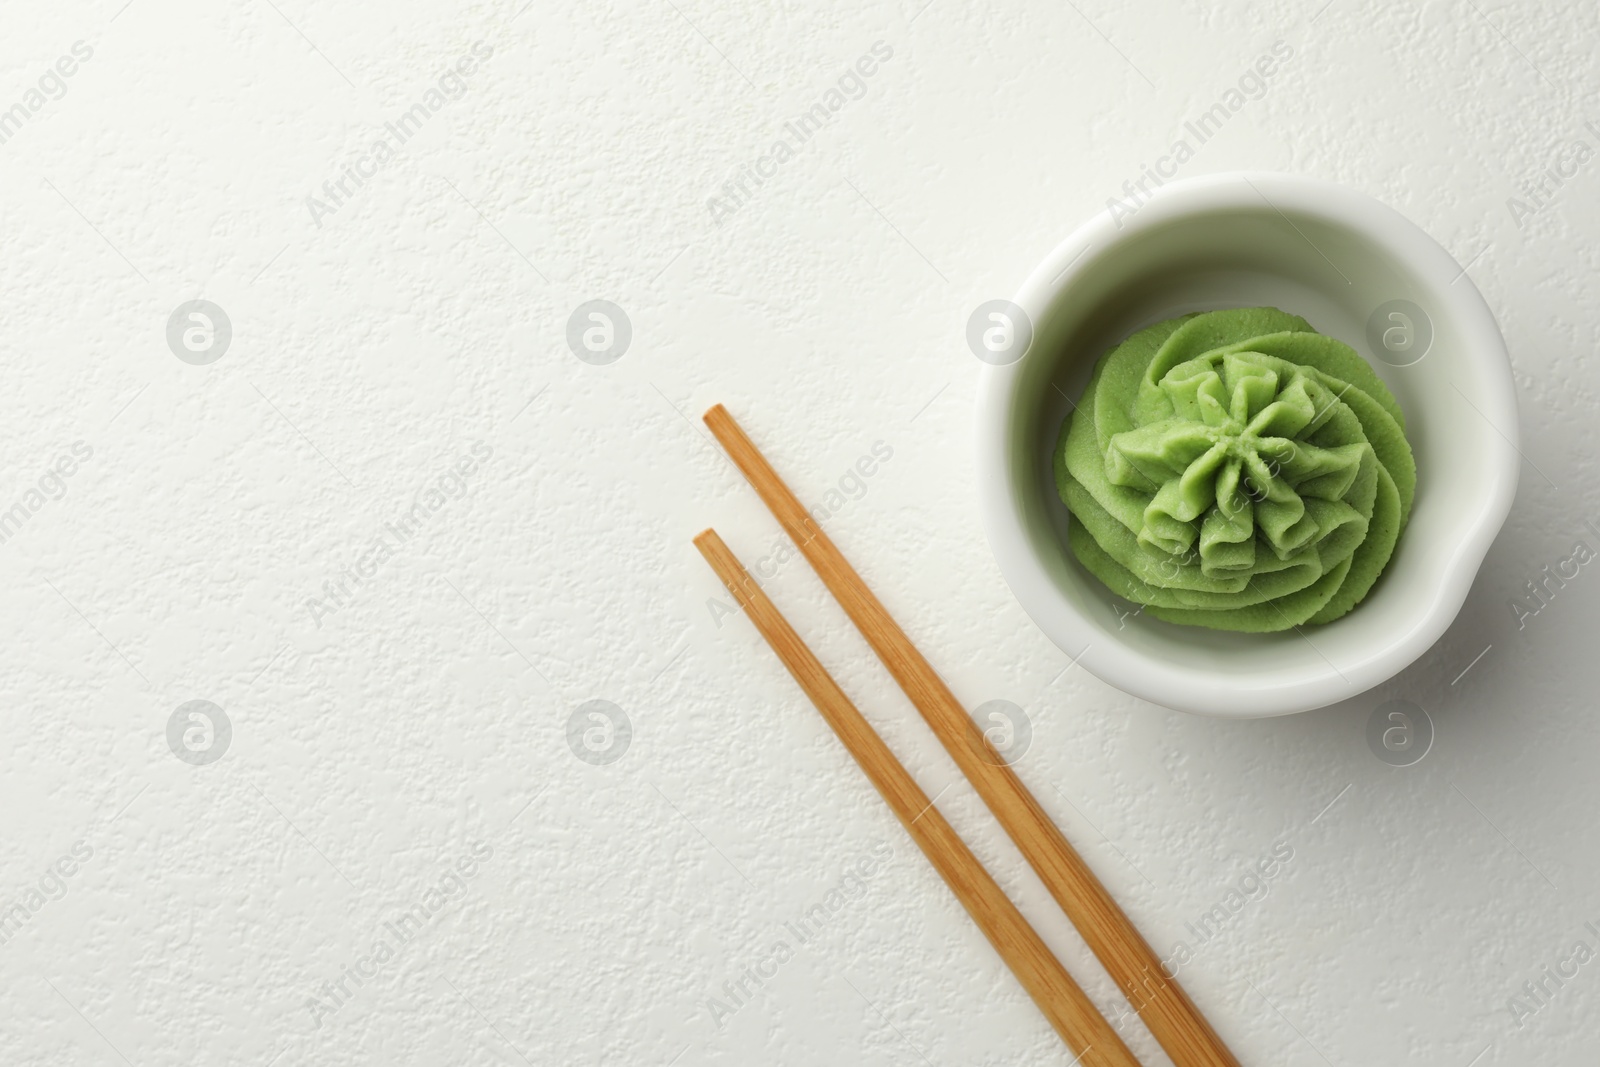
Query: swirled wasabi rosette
[[1236, 470]]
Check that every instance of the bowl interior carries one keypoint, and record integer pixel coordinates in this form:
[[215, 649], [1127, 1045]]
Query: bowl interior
[[1339, 273]]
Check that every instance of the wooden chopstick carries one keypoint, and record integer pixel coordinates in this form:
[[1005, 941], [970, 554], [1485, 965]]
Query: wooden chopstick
[[1166, 1009], [1074, 1017]]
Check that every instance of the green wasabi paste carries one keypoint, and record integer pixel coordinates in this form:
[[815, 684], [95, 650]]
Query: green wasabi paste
[[1236, 470]]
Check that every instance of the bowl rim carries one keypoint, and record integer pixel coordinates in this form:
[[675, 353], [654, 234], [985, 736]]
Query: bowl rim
[[1195, 690]]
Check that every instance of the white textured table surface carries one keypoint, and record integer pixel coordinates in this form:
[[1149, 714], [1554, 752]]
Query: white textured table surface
[[399, 680]]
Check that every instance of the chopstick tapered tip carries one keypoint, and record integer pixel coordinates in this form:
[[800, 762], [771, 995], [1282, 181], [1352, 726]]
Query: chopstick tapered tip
[[715, 413], [715, 551]]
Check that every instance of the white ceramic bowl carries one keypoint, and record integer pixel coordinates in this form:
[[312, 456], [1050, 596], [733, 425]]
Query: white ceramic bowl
[[1339, 259]]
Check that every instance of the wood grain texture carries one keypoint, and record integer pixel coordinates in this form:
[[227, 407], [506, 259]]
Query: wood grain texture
[[1166, 1009], [1073, 1015]]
